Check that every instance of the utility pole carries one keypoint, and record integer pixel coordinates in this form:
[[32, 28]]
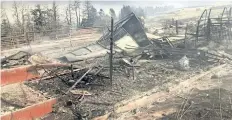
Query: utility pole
[[111, 51]]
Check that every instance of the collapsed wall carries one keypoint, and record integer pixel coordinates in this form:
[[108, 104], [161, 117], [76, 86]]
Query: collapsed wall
[[128, 35]]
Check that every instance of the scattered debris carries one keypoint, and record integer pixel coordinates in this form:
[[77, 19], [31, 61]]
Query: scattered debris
[[215, 76], [17, 59], [184, 63], [39, 59], [80, 92]]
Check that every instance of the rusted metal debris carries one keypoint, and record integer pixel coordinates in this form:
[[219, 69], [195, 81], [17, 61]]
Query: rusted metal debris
[[210, 28]]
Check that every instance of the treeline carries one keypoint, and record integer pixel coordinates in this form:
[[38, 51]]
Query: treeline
[[151, 11], [42, 18]]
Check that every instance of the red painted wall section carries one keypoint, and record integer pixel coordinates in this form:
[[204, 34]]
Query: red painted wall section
[[31, 112], [20, 74], [15, 75]]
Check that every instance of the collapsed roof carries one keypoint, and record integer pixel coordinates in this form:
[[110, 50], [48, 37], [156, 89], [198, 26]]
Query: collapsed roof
[[128, 35], [131, 26]]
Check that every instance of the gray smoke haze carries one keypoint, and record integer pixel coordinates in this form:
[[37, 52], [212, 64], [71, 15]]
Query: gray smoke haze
[[106, 5]]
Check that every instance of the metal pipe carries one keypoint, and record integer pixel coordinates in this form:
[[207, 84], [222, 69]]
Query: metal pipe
[[185, 36], [220, 32], [111, 51], [197, 33]]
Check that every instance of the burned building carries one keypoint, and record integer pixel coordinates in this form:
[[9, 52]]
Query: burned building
[[128, 35]]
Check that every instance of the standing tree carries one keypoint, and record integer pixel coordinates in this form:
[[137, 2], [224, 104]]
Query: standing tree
[[5, 24], [5, 28], [101, 13], [112, 13], [19, 12], [67, 16], [76, 7], [54, 9], [39, 17], [102, 19], [92, 15], [70, 13], [89, 14], [87, 9], [48, 19], [139, 12], [17, 15], [126, 10], [28, 22], [26, 19], [23, 18]]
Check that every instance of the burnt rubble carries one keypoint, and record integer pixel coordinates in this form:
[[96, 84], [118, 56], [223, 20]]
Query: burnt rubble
[[19, 58], [85, 88]]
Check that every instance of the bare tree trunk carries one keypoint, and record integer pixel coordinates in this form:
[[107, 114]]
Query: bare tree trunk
[[77, 18], [76, 6], [15, 7], [4, 15], [88, 9], [23, 20], [70, 14], [54, 15], [67, 16]]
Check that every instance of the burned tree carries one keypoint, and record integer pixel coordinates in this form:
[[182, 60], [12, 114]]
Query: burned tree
[[89, 14], [112, 13], [16, 14], [5, 24], [139, 12], [76, 7], [102, 19], [42, 18], [70, 13], [126, 10], [87, 9], [54, 9], [23, 18], [67, 16], [5, 28], [101, 13]]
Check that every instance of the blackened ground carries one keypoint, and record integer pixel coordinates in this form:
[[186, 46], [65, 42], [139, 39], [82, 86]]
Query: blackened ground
[[149, 75]]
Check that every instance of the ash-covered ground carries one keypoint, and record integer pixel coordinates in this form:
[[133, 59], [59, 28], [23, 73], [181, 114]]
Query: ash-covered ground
[[149, 74]]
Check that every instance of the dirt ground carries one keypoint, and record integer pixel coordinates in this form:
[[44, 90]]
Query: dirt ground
[[56, 46], [17, 96], [208, 98]]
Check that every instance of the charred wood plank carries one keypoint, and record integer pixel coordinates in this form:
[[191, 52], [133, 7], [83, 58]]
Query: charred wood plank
[[79, 80]]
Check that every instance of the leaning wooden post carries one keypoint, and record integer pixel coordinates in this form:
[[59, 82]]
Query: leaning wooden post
[[111, 51]]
